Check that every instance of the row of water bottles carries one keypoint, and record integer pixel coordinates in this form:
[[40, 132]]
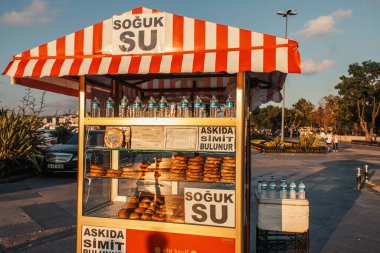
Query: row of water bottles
[[163, 109], [270, 189]]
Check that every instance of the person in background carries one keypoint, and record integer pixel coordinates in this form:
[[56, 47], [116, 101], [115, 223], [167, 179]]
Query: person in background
[[328, 141], [322, 135], [335, 142]]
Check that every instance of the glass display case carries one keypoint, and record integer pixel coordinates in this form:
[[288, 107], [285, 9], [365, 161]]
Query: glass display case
[[170, 175]]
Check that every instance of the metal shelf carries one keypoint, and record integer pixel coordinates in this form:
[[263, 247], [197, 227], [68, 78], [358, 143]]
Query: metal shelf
[[217, 184], [158, 150], [159, 121]]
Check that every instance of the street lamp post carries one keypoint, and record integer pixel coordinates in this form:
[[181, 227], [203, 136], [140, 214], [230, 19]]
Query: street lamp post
[[285, 14]]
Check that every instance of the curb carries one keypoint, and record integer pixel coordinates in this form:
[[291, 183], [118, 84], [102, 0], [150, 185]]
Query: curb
[[17, 178]]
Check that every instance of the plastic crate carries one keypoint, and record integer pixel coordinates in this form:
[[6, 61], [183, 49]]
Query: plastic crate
[[281, 242]]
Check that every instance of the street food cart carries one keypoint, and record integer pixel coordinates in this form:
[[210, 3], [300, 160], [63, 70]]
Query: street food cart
[[174, 183]]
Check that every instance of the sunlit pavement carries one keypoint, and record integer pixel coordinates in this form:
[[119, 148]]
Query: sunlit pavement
[[38, 214]]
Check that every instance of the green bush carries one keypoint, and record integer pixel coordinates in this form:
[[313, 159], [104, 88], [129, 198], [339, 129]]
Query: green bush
[[20, 140], [309, 140], [276, 143]]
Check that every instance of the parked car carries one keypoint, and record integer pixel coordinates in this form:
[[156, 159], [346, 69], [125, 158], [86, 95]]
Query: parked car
[[64, 157], [49, 139]]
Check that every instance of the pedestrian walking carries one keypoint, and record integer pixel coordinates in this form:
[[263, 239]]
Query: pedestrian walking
[[328, 141], [335, 142]]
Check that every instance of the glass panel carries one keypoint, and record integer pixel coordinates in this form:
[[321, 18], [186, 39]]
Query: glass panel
[[181, 186]]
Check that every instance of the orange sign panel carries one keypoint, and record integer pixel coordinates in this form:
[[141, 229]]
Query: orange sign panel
[[160, 242]]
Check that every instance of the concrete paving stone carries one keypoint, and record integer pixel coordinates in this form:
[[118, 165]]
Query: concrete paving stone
[[19, 196], [69, 205], [55, 242], [12, 214], [24, 195], [357, 243], [16, 229], [49, 215], [336, 247]]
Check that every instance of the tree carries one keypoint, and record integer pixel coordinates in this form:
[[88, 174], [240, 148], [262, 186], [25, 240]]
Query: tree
[[304, 109], [30, 102], [330, 110], [267, 118], [292, 120], [360, 91], [300, 114]]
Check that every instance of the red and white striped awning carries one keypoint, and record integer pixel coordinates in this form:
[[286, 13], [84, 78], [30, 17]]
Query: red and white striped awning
[[191, 46]]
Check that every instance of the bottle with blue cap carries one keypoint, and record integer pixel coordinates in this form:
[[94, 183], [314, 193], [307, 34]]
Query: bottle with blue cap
[[95, 107], [264, 189], [123, 107], [214, 104], [283, 189], [259, 182], [272, 189], [110, 104], [184, 108], [229, 109], [292, 190], [301, 191], [163, 107], [137, 108], [198, 107], [152, 107]]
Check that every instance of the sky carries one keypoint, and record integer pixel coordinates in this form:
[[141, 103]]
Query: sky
[[332, 34]]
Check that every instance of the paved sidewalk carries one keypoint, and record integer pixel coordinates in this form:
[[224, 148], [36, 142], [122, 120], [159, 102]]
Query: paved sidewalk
[[38, 215]]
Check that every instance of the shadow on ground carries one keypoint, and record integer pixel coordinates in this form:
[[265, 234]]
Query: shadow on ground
[[38, 182]]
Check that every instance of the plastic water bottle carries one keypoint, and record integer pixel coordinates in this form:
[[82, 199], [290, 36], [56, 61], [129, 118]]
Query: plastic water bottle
[[229, 110], [264, 189], [213, 107], [283, 180], [152, 107], [137, 108], [204, 111], [110, 107], [95, 107], [301, 191], [272, 179], [184, 108], [130, 110], [292, 190], [272, 190], [123, 107], [163, 107], [198, 107], [191, 109], [259, 182], [283, 190]]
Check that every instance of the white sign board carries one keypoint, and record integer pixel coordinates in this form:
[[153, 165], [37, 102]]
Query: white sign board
[[138, 34], [217, 139], [210, 207], [102, 239], [181, 138], [147, 137]]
